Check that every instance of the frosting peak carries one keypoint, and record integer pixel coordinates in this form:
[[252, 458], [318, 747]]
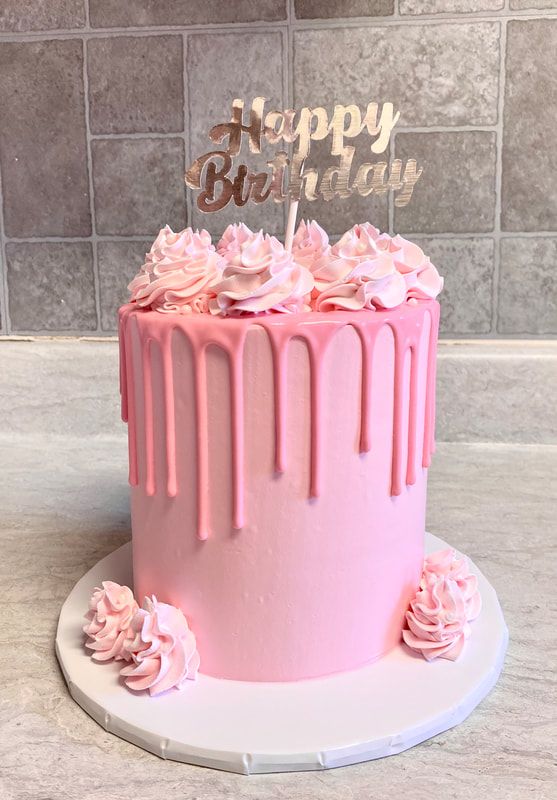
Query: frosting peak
[[310, 244], [423, 281], [252, 273], [178, 272], [358, 274], [447, 601], [163, 649], [111, 609], [232, 239], [260, 277]]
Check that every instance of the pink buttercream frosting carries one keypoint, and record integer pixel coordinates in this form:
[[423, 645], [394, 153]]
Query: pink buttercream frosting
[[162, 649], [252, 273], [262, 277], [231, 241], [422, 279], [310, 244], [204, 493], [178, 273], [111, 610], [358, 274], [446, 564], [447, 602]]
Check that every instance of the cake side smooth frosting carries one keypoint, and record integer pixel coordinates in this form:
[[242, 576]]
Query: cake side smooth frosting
[[278, 479]]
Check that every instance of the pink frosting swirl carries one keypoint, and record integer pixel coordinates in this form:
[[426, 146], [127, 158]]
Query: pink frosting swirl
[[231, 241], [423, 281], [263, 277], [111, 610], [178, 273], [310, 244], [163, 649], [445, 563], [447, 601], [358, 274]]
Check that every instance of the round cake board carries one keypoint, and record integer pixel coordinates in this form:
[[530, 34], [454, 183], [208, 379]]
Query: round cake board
[[376, 711]]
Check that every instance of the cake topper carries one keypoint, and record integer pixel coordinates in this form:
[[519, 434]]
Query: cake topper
[[287, 176]]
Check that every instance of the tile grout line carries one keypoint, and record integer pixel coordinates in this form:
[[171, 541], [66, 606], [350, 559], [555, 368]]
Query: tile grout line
[[446, 128], [535, 339], [287, 78], [420, 19], [140, 32], [415, 234], [499, 177], [92, 238], [390, 194], [137, 135], [400, 129], [186, 133], [69, 239], [289, 56], [4, 302], [301, 24]]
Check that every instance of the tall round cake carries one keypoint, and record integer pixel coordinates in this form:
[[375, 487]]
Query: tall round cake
[[280, 411]]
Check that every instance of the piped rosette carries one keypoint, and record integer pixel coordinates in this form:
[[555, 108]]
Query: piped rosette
[[251, 273], [178, 273], [109, 619], [230, 244], [447, 601], [162, 651], [422, 279], [155, 640], [310, 244], [369, 270], [259, 276]]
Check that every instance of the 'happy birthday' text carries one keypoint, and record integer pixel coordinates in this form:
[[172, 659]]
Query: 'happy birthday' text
[[288, 176]]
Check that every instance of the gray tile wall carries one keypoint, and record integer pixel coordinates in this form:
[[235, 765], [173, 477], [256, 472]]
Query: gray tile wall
[[102, 104]]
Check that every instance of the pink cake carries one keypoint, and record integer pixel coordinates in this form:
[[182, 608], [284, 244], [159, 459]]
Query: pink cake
[[280, 412]]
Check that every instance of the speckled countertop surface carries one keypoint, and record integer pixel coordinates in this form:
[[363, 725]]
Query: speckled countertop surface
[[64, 506]]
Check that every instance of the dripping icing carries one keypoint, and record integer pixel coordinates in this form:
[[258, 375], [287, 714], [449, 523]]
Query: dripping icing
[[169, 415], [406, 324]]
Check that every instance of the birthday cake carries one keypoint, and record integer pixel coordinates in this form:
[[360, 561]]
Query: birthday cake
[[280, 410], [280, 401]]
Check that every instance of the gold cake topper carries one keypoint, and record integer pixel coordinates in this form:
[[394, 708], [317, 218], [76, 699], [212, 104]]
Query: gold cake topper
[[286, 177]]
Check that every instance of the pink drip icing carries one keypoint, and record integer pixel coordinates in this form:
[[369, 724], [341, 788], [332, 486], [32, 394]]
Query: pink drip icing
[[236, 358], [406, 323], [318, 337], [412, 415], [400, 352], [203, 522], [279, 344], [368, 337], [149, 419], [126, 365], [122, 314], [429, 426], [279, 337], [169, 415], [316, 427]]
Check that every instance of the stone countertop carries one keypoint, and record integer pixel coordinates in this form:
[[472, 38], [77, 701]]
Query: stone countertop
[[64, 506]]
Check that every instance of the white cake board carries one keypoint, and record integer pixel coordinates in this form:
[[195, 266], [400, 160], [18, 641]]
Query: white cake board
[[243, 727]]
